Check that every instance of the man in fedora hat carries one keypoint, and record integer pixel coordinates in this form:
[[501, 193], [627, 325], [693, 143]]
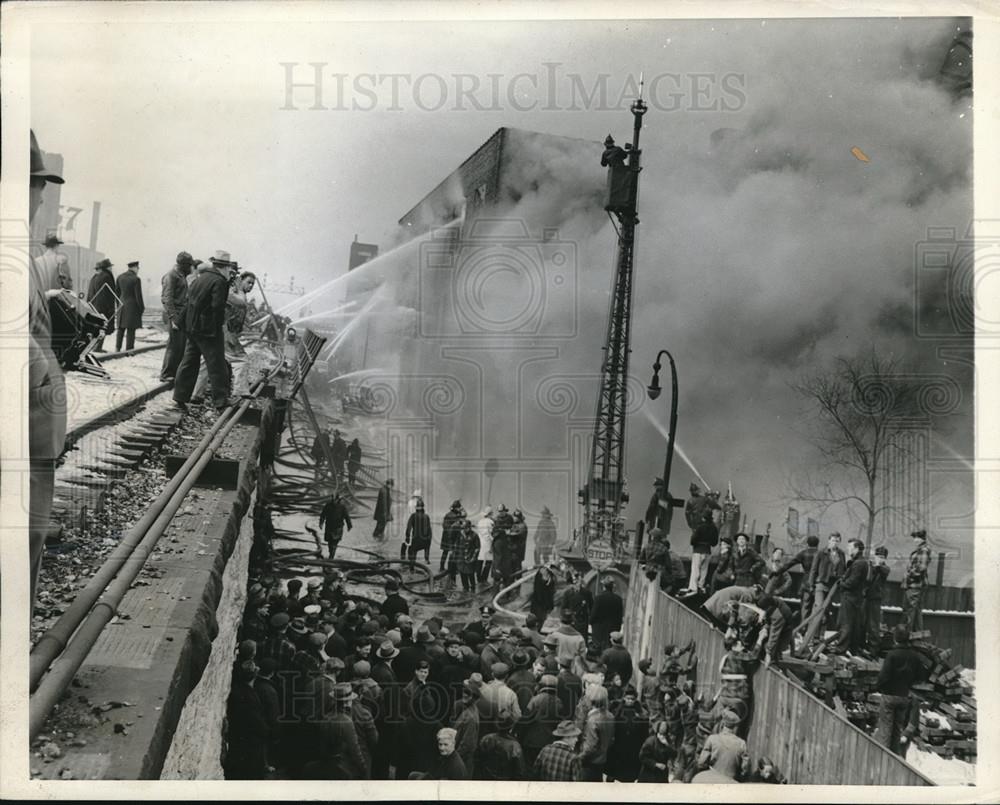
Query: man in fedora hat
[[558, 762], [521, 679], [129, 288], [40, 176], [47, 262], [173, 298], [203, 322], [452, 670], [411, 655], [340, 755], [491, 653], [102, 295], [46, 386]]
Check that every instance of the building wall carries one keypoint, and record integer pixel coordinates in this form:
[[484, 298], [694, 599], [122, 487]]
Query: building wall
[[481, 407]]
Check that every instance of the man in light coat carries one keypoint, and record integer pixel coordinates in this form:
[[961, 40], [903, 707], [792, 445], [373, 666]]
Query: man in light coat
[[485, 529]]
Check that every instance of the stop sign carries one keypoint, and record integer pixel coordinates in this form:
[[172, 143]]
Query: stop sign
[[600, 554]]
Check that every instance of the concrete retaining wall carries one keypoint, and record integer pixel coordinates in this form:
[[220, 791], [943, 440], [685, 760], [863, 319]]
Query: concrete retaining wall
[[127, 699]]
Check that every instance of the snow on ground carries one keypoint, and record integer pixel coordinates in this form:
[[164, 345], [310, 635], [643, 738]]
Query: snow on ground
[[88, 396], [941, 770]]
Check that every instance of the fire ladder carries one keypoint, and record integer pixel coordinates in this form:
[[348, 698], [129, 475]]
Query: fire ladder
[[604, 494]]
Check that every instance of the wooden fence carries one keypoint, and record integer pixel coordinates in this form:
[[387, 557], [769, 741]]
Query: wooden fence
[[810, 743]]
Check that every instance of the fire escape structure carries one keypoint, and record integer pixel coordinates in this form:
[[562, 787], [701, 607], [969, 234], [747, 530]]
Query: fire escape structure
[[604, 494]]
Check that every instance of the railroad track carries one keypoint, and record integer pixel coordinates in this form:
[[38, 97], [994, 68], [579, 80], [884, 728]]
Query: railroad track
[[62, 649], [125, 353], [124, 409]]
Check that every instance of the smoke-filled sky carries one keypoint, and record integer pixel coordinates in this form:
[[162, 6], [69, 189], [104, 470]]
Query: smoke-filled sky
[[766, 247]]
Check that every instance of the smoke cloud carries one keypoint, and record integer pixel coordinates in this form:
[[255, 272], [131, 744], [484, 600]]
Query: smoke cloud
[[766, 248]]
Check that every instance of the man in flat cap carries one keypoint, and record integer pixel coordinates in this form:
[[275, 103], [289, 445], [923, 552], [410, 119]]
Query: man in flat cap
[[173, 298], [130, 315], [46, 388], [204, 319], [914, 581], [101, 294], [724, 754]]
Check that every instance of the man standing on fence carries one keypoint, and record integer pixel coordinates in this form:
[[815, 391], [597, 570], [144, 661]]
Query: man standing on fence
[[914, 582]]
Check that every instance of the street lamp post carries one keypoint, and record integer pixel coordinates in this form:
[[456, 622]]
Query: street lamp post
[[653, 390]]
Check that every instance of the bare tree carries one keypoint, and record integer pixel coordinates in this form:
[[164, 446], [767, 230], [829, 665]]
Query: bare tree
[[860, 408]]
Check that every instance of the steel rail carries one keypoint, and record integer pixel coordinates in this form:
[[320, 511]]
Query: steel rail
[[55, 640], [126, 353], [111, 416], [61, 672]]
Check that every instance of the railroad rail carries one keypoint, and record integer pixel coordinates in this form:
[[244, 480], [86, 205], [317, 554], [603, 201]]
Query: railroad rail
[[59, 653]]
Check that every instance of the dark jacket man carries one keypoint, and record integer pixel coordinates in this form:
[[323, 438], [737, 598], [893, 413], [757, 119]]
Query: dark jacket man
[[394, 603], [499, 756], [704, 537], [569, 689], [804, 559], [541, 717], [418, 530], [203, 323], [174, 291], [631, 731], [580, 600], [606, 616], [332, 520], [129, 288], [173, 298], [851, 619], [828, 567], [748, 567], [101, 292], [617, 660], [383, 509], [451, 535]]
